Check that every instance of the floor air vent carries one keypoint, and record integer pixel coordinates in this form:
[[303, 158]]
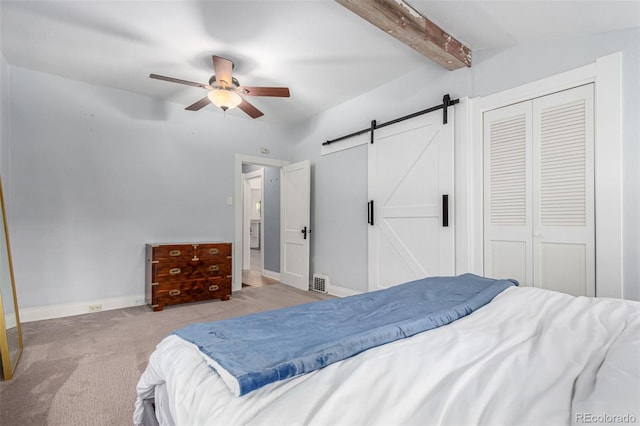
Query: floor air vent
[[320, 283]]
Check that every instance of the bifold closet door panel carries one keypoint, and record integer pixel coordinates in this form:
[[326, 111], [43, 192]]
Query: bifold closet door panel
[[563, 191], [507, 203]]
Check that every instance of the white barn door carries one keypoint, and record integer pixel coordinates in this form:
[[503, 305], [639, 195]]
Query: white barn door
[[295, 199], [410, 177]]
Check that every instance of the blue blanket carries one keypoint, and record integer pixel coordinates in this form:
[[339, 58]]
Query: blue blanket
[[254, 350]]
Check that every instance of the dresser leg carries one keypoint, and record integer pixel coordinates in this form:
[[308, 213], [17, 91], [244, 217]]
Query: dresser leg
[[226, 297]]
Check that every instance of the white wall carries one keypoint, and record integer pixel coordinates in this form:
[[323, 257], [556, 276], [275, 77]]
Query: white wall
[[339, 180], [97, 173]]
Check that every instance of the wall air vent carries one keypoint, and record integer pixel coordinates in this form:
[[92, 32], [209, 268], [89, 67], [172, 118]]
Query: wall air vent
[[320, 283]]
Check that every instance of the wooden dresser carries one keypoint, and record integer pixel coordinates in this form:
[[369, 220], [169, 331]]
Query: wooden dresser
[[189, 272]]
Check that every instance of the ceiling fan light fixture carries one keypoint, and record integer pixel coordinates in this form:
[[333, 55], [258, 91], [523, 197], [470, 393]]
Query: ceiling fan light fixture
[[224, 99]]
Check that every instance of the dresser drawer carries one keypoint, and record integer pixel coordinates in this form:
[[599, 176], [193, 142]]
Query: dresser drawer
[[216, 268], [174, 271], [213, 251], [172, 252]]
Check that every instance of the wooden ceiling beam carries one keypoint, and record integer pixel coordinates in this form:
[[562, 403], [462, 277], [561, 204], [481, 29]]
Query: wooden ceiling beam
[[400, 20]]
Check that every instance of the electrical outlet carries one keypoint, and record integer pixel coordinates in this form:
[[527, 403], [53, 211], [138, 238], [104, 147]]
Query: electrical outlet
[[95, 308]]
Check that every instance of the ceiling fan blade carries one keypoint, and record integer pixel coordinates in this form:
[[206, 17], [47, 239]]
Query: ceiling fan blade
[[199, 105], [222, 68], [177, 80], [280, 92], [249, 109]]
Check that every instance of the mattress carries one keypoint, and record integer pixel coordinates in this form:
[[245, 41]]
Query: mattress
[[530, 356]]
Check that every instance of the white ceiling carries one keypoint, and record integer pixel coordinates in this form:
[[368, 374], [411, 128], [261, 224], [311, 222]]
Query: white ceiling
[[324, 53]]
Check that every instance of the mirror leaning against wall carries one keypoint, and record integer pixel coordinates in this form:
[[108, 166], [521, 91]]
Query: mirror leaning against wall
[[10, 333]]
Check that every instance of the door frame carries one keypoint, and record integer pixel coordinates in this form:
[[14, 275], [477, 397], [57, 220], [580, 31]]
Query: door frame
[[238, 209], [606, 74]]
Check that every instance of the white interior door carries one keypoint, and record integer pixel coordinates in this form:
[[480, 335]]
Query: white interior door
[[295, 232], [411, 168]]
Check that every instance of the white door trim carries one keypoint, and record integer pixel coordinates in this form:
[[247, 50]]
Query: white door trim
[[606, 73], [238, 204]]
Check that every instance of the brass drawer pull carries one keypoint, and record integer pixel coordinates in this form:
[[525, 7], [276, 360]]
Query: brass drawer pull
[[174, 253], [214, 251], [174, 292], [195, 259], [214, 287], [214, 268], [174, 271]]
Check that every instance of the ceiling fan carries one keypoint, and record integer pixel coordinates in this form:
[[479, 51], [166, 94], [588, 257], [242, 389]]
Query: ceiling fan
[[225, 91]]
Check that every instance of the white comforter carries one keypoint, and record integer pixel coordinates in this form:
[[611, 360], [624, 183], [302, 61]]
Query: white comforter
[[530, 357]]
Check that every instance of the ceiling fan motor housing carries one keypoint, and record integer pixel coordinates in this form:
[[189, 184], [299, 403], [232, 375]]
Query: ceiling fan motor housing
[[224, 84]]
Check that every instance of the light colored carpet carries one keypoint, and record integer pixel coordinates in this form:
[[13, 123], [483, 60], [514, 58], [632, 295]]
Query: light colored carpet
[[83, 370]]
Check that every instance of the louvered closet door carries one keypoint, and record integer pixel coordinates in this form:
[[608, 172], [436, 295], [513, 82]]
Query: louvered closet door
[[508, 207], [539, 192], [563, 189]]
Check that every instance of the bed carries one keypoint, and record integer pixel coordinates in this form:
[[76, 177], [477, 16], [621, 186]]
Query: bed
[[525, 356]]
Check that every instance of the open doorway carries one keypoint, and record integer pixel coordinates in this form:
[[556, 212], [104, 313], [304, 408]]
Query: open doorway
[[294, 227], [247, 162], [261, 225]]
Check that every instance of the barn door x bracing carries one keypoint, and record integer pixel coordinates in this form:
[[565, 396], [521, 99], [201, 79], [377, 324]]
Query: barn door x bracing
[[411, 182]]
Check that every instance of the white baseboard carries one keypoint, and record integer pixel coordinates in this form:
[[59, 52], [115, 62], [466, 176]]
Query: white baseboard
[[40, 313], [271, 274], [336, 290], [69, 309]]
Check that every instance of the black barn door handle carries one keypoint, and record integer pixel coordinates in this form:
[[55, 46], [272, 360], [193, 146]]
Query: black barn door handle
[[370, 213], [445, 210]]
